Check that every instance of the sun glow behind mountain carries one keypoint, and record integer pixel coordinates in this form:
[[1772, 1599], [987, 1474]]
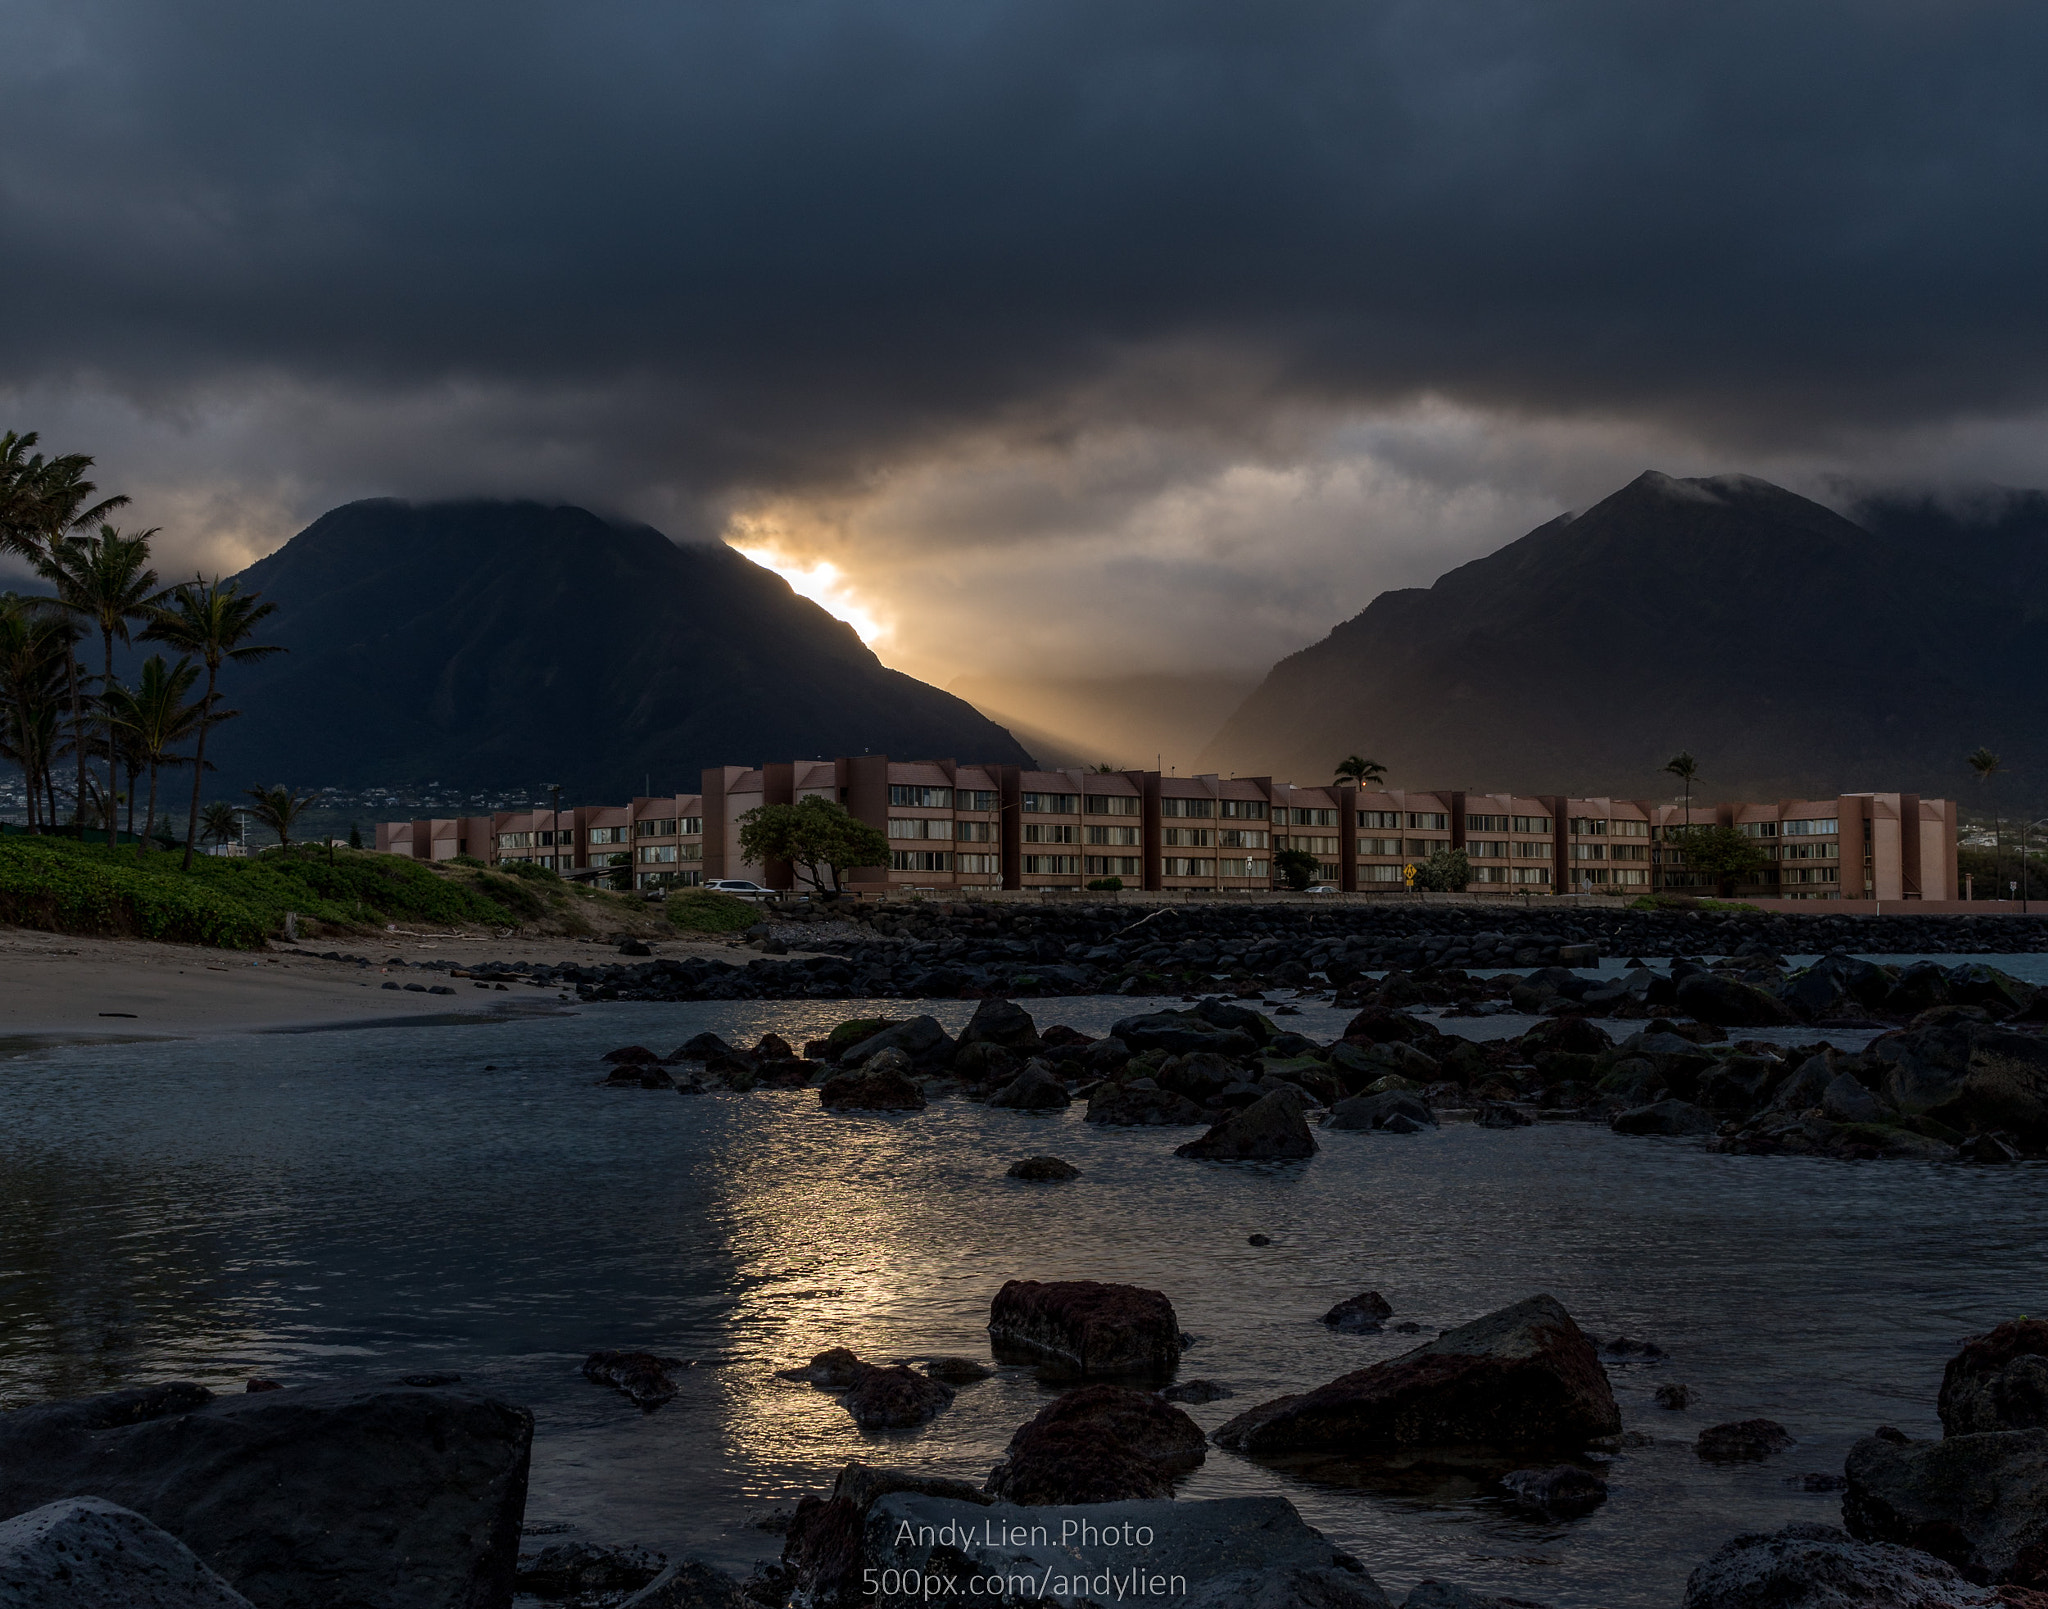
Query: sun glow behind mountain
[[826, 585]]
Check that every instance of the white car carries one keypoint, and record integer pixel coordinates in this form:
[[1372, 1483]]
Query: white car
[[737, 885]]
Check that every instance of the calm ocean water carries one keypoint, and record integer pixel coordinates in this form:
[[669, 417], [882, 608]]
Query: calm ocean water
[[376, 1202]]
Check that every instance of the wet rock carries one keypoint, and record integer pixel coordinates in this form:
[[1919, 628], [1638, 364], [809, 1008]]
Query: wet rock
[[1141, 1103], [882, 1084], [629, 1053], [1630, 1349], [1258, 1240], [1819, 1567], [1100, 1444], [957, 1371], [1675, 1396], [86, 1553], [1233, 1553], [1035, 1089], [834, 1369], [1972, 1078], [1361, 1314], [1742, 1441], [923, 1042], [1562, 1489], [1991, 1150], [1663, 1117], [579, 1569], [1005, 1023], [1043, 1167], [640, 1375], [401, 1497], [1500, 1115], [690, 1584], [1846, 1101], [1182, 1031], [1998, 1381], [824, 1551], [1727, 1002], [1570, 1034], [1523, 1377], [1086, 1327], [1978, 1501], [1442, 1595], [704, 1047], [1197, 1391], [1272, 1128], [894, 1398], [1394, 1111]]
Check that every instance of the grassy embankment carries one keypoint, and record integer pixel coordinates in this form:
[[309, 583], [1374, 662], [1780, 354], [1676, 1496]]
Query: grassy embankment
[[62, 886]]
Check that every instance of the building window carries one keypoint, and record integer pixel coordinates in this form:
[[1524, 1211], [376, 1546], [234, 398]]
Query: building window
[[1528, 824], [1824, 826], [973, 799], [1631, 877], [1628, 852], [1491, 874], [1051, 832], [515, 840], [1428, 820], [1379, 818], [1628, 829], [1486, 823], [1113, 835], [1112, 804], [1532, 851], [607, 835], [978, 865], [1114, 866], [1423, 848], [1199, 808], [1188, 837], [609, 858], [656, 829], [657, 854], [1487, 849], [1758, 829], [1247, 868], [973, 832], [1590, 876], [694, 879], [1589, 852], [1243, 810], [1052, 804], [1175, 866], [1314, 818], [920, 860], [690, 826], [1829, 849], [1239, 838], [1378, 846], [921, 798], [1313, 846], [690, 851], [1588, 827], [1531, 874], [1380, 874], [911, 827], [1051, 865]]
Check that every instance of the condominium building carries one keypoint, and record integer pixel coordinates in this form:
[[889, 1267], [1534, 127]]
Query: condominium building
[[952, 826]]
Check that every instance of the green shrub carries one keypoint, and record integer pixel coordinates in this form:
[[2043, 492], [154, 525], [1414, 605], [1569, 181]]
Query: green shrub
[[532, 871], [704, 910], [1107, 885]]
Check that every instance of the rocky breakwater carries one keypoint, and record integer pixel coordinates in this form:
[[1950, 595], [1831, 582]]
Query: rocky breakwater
[[1525, 1379], [947, 949], [393, 1495]]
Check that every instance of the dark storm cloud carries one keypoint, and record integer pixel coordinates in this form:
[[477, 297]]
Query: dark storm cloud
[[768, 243]]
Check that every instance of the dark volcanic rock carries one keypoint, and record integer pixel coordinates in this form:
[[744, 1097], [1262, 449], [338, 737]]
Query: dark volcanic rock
[[823, 1549], [1819, 1567], [884, 1086], [1086, 1327], [1196, 1391], [1742, 1440], [922, 1040], [690, 1584], [1005, 1023], [1396, 1111], [1181, 1032], [1523, 1377], [1140, 1102], [1674, 1396], [894, 1398], [1100, 1444], [1563, 1489], [1443, 1595], [1043, 1167], [958, 1371], [573, 1569], [1358, 1314], [1998, 1381], [394, 1496], [1272, 1128], [1978, 1501], [1663, 1117], [641, 1375], [1035, 1089], [835, 1369], [1969, 1077], [86, 1553], [1728, 1002]]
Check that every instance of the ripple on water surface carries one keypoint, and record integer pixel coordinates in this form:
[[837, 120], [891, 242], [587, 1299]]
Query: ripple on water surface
[[329, 1204]]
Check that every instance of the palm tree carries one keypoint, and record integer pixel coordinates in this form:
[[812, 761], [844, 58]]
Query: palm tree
[[1684, 767], [32, 660], [214, 621], [1357, 768], [41, 501], [277, 808], [106, 581], [155, 714], [1986, 765], [217, 821]]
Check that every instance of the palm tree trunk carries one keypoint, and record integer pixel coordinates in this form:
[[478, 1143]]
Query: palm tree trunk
[[77, 733], [143, 841], [113, 762], [199, 766]]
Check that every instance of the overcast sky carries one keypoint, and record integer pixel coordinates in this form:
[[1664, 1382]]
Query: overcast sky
[[1076, 336]]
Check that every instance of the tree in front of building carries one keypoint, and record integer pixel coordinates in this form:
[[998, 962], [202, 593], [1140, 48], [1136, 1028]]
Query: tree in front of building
[[1722, 855], [1987, 765], [1356, 768], [821, 839], [1447, 871], [1297, 867]]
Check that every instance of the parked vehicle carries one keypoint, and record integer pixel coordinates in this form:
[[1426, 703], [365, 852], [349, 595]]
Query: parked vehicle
[[739, 886]]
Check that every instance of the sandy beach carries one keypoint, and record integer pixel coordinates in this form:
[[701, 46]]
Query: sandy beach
[[56, 986]]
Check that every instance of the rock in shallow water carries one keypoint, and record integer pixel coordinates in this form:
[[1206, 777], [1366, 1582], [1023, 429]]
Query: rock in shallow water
[[1819, 1567], [1978, 1501], [1998, 1381], [1271, 1129], [894, 1398], [1742, 1441], [1086, 1327], [86, 1553], [577, 1569], [640, 1375], [1100, 1444], [1360, 1314], [1043, 1167]]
